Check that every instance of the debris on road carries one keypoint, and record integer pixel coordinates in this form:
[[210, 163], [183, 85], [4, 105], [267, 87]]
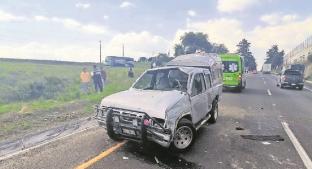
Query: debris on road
[[125, 158], [266, 143], [239, 128], [263, 137], [156, 159]]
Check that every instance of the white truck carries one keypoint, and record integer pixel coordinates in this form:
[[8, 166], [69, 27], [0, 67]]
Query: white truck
[[266, 68], [166, 105]]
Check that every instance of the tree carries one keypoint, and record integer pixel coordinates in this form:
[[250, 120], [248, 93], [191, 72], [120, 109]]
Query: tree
[[243, 50], [275, 57], [142, 59], [219, 48], [178, 50], [163, 58], [192, 42]]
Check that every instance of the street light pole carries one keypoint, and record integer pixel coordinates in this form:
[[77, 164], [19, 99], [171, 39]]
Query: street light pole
[[100, 51], [123, 49]]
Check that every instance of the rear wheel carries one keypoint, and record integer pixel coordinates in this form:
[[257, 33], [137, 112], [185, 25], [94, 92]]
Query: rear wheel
[[239, 88], [184, 136], [301, 87], [214, 113]]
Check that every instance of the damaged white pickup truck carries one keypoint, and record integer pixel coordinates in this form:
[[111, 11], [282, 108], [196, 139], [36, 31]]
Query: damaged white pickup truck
[[166, 105]]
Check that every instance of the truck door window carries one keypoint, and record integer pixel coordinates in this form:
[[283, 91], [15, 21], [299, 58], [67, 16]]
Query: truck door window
[[198, 85], [208, 81]]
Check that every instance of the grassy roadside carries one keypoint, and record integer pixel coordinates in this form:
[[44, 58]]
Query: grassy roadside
[[19, 118]]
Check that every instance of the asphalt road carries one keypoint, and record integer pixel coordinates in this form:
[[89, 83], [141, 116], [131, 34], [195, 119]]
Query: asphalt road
[[248, 134]]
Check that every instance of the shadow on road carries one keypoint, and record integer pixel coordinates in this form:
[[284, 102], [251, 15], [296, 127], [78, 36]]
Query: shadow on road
[[155, 154]]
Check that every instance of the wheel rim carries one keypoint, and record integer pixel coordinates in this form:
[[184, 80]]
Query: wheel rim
[[183, 137], [216, 112]]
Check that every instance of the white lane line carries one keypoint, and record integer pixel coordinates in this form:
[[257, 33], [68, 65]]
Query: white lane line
[[302, 153], [307, 89], [269, 92]]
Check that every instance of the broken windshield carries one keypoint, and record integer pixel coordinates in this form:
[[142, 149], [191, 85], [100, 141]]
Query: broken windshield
[[163, 79]]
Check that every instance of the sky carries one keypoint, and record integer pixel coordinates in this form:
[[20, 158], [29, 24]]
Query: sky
[[70, 30]]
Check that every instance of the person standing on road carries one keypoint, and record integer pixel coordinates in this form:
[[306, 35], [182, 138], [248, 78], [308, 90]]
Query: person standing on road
[[97, 79], [104, 76], [85, 79]]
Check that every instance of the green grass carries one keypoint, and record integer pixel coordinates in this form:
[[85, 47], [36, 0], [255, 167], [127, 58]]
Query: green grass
[[14, 75]]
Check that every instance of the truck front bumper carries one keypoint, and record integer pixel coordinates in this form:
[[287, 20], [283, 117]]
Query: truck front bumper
[[135, 126], [290, 84]]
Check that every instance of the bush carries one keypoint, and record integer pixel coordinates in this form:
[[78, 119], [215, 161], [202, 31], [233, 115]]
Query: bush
[[48, 88]]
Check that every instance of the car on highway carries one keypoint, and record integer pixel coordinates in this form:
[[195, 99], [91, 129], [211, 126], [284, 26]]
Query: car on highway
[[233, 71], [166, 105], [291, 78]]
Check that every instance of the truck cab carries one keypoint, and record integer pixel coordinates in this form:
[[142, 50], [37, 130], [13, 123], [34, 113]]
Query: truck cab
[[166, 105]]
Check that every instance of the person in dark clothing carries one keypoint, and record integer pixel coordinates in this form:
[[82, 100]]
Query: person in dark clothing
[[104, 76], [130, 72], [97, 79]]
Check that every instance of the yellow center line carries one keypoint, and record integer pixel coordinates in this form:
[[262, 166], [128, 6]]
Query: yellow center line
[[100, 156]]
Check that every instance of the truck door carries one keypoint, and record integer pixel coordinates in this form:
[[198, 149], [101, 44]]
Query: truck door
[[199, 98], [209, 90]]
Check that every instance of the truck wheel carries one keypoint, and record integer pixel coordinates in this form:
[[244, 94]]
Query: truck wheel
[[300, 87], [184, 136], [282, 86], [214, 113], [109, 127], [239, 88]]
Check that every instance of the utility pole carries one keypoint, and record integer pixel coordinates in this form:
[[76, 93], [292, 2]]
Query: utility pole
[[123, 50], [100, 51]]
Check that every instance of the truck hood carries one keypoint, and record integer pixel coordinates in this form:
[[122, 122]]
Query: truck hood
[[153, 102]]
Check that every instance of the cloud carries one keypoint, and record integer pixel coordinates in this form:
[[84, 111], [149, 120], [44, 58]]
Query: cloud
[[76, 25], [48, 51], [126, 4], [191, 13], [277, 18], [230, 32], [82, 5], [235, 5], [8, 17], [223, 30], [41, 18], [105, 17], [137, 44]]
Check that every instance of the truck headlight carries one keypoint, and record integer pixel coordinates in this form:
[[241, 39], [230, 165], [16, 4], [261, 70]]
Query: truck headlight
[[116, 119], [135, 122]]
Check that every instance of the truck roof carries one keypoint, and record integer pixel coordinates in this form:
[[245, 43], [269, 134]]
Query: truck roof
[[186, 69], [204, 60], [230, 56]]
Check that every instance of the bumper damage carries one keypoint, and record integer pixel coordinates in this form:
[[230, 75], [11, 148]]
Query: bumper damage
[[135, 126]]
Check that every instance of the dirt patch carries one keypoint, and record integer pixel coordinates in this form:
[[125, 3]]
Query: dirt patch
[[233, 112], [18, 124]]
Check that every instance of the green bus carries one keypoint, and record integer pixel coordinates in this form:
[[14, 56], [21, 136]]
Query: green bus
[[233, 71]]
